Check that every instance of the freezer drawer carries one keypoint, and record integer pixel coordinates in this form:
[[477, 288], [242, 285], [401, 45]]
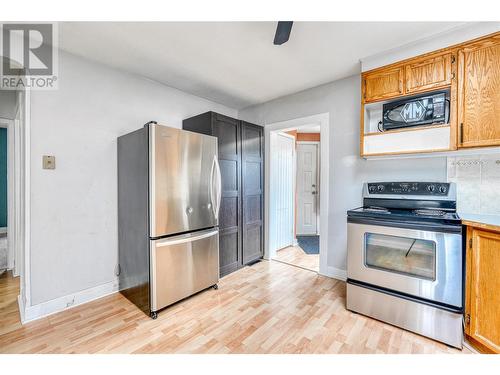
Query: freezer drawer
[[183, 265]]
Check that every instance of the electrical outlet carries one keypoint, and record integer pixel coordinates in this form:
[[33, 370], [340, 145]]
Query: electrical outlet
[[49, 162]]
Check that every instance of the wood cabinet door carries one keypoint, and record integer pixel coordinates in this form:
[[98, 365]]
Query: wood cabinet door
[[383, 84], [479, 94], [482, 290], [252, 166], [227, 130], [428, 73]]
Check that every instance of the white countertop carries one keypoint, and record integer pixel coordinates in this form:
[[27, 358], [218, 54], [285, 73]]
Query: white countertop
[[483, 219]]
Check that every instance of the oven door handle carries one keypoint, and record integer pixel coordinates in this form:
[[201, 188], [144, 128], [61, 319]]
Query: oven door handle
[[430, 227]]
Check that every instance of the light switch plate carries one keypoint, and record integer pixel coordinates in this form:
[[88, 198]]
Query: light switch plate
[[49, 162]]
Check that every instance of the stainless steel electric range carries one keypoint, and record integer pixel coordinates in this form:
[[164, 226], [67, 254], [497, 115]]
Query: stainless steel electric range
[[405, 261]]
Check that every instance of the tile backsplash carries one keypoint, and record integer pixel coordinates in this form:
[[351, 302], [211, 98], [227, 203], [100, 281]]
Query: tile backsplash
[[478, 183]]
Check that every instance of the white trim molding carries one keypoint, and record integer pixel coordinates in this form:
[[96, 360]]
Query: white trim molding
[[323, 120], [336, 273], [30, 313]]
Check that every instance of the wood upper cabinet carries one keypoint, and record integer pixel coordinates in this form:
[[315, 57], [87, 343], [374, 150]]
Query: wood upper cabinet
[[482, 304], [428, 73], [479, 93], [383, 84]]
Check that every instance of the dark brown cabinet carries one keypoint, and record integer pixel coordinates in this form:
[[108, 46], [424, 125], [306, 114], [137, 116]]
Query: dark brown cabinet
[[241, 159]]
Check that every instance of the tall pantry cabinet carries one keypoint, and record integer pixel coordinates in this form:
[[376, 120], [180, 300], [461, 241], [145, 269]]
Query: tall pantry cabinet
[[241, 159]]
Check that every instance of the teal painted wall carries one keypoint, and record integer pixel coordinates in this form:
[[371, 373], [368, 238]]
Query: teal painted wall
[[3, 177]]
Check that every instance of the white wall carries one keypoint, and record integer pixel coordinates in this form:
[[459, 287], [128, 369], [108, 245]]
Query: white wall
[[74, 207], [347, 170], [7, 104]]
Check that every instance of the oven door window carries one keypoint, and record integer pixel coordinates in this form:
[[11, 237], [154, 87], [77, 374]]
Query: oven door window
[[408, 256]]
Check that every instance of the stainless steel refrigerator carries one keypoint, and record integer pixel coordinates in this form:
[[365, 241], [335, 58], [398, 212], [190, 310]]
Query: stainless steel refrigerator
[[169, 194]]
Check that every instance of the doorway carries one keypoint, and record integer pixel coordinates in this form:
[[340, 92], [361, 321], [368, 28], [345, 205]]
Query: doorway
[[295, 196], [4, 125], [7, 116], [13, 112]]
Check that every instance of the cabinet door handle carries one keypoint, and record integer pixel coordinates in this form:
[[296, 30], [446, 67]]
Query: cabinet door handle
[[461, 132]]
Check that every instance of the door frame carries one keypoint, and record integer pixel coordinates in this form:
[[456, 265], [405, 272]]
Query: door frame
[[318, 180], [18, 227], [272, 220], [11, 252], [323, 120], [22, 192]]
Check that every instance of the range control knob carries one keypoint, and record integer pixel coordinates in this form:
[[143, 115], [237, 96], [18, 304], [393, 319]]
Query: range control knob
[[372, 188], [380, 188], [442, 189], [431, 188]]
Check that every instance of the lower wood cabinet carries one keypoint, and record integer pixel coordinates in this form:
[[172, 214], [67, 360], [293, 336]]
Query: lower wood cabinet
[[482, 299], [241, 160]]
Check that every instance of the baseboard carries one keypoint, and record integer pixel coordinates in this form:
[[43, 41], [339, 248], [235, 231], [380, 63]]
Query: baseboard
[[66, 302], [336, 273]]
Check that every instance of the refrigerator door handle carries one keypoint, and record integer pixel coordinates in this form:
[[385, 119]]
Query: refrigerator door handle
[[219, 187], [191, 237], [212, 193]]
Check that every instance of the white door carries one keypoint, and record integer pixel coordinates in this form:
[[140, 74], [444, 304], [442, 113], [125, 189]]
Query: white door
[[282, 190], [307, 188]]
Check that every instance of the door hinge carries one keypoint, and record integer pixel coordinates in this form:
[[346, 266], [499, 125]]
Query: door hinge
[[452, 59], [453, 75], [470, 243], [467, 319]]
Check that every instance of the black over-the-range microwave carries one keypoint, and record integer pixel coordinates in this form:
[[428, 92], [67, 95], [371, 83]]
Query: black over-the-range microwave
[[427, 109]]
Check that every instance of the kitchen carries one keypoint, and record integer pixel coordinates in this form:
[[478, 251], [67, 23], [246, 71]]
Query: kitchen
[[409, 206]]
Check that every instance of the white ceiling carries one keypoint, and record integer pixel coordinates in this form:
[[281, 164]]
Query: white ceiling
[[236, 63]]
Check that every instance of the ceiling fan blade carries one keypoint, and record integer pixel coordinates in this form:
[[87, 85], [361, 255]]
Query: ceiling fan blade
[[283, 32]]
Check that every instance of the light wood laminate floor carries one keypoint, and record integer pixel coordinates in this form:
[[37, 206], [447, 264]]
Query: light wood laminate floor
[[269, 307], [9, 310], [295, 256]]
